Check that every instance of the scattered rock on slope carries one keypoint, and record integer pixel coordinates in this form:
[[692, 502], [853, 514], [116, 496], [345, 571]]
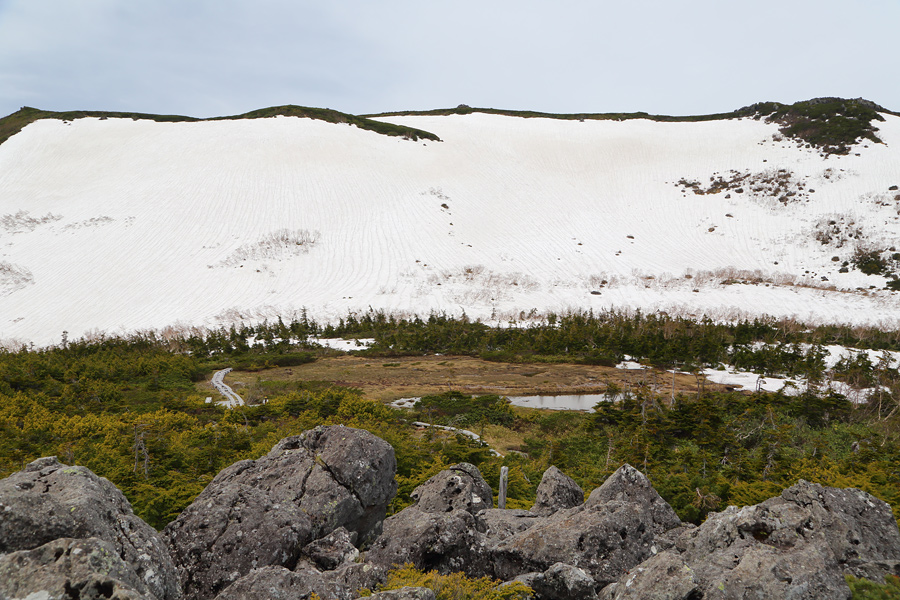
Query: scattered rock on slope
[[259, 513], [49, 500], [798, 545]]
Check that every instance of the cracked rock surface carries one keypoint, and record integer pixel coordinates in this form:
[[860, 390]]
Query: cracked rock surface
[[557, 491], [49, 500], [87, 569], [440, 531], [797, 545], [623, 523], [260, 513]]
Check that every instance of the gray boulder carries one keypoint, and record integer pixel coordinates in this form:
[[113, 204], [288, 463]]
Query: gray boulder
[[88, 569], [259, 513], [623, 523], [49, 500], [440, 531], [333, 550], [557, 491], [446, 542], [661, 577], [461, 487], [357, 575], [404, 593], [278, 583], [500, 524], [563, 582], [798, 545]]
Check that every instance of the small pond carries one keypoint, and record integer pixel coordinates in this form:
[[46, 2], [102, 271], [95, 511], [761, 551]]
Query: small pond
[[583, 402]]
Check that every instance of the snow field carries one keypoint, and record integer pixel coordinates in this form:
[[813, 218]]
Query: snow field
[[154, 224]]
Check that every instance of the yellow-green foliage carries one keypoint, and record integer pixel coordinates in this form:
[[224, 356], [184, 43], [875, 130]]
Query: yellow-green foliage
[[455, 586], [863, 589]]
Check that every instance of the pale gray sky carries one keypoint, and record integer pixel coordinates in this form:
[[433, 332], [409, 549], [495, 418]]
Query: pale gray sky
[[219, 57]]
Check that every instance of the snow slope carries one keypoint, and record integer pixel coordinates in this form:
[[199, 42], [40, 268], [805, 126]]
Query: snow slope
[[119, 225]]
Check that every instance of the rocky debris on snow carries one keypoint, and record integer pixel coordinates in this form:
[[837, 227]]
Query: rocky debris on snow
[[259, 513], [48, 501], [556, 491], [88, 569], [798, 545]]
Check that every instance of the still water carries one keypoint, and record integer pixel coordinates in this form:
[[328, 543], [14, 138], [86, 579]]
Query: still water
[[583, 402]]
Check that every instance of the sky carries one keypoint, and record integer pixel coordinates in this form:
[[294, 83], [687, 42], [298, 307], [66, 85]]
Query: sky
[[208, 58]]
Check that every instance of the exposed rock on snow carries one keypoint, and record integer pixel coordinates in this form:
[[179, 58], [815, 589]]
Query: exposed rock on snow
[[13, 278]]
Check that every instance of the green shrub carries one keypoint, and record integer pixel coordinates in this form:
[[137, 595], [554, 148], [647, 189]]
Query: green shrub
[[863, 589], [869, 262], [455, 586]]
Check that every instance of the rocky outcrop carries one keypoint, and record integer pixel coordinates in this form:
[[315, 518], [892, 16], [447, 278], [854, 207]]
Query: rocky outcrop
[[440, 531], [798, 545], [561, 582], [461, 487], [278, 583], [302, 582], [623, 523], [49, 500], [87, 569], [661, 577], [259, 513], [333, 550], [500, 524], [445, 542], [557, 491], [404, 593], [291, 524]]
